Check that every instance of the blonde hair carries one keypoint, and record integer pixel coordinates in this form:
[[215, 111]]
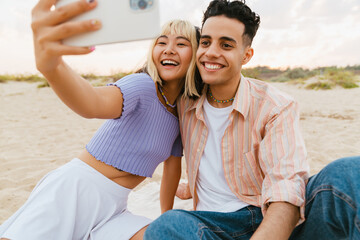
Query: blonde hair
[[187, 30]]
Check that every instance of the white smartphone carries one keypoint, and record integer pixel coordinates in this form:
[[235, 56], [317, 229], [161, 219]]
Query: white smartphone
[[122, 21]]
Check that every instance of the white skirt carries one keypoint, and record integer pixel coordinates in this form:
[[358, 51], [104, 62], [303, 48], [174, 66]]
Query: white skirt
[[74, 202]]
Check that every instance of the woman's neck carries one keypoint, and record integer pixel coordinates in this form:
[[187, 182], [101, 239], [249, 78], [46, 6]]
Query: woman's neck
[[171, 91]]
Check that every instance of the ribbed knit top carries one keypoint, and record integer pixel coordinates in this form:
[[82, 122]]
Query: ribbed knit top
[[145, 135]]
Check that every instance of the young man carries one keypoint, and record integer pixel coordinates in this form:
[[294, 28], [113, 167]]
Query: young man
[[246, 159]]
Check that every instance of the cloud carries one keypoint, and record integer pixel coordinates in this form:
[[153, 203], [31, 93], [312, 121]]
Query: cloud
[[184, 9], [292, 33], [274, 14], [307, 33]]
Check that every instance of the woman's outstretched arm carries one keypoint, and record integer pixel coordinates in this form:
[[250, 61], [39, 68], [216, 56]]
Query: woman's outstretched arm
[[50, 27]]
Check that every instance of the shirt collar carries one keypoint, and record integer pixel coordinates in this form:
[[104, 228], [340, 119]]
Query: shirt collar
[[242, 97], [241, 101]]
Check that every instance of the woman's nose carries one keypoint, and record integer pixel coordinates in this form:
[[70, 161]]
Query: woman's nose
[[169, 50]]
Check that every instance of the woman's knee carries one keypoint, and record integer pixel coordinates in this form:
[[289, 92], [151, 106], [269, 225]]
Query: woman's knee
[[140, 234]]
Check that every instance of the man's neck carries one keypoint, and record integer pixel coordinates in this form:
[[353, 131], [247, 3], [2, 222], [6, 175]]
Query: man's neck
[[221, 96]]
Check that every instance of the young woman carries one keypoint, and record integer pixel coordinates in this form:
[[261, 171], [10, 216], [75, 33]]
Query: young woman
[[87, 198]]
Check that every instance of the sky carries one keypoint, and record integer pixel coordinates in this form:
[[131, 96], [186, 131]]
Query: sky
[[292, 33]]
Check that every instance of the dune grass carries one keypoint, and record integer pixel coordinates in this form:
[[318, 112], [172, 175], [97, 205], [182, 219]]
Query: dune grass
[[319, 85], [96, 80], [334, 77], [326, 77], [341, 77], [21, 78], [31, 78]]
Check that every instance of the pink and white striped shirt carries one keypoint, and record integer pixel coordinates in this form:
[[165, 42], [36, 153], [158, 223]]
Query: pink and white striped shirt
[[263, 152]]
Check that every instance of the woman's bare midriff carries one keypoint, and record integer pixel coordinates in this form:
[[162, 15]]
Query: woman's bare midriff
[[122, 178]]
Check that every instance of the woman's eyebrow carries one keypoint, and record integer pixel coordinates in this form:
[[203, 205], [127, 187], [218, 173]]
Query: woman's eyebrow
[[181, 37]]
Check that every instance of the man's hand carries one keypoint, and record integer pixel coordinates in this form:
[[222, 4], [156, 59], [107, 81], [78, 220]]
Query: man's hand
[[183, 191]]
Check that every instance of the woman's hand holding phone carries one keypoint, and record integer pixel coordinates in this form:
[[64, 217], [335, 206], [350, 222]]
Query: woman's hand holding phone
[[50, 27]]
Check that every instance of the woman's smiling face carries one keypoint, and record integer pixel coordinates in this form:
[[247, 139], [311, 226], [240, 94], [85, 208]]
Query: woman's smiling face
[[172, 55]]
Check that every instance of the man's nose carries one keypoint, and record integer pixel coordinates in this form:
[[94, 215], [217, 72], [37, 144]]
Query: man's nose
[[212, 51]]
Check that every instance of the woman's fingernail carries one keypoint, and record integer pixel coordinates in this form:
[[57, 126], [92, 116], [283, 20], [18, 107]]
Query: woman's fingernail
[[92, 48], [94, 22]]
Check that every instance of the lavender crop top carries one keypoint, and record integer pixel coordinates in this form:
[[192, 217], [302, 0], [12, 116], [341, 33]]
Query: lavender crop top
[[145, 135]]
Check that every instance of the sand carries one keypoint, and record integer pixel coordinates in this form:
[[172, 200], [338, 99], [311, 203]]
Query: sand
[[38, 133]]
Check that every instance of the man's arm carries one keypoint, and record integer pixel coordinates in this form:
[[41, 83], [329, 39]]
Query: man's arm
[[285, 215], [282, 157]]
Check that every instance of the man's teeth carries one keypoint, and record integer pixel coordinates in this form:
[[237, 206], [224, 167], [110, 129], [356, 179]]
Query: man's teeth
[[169, 62], [212, 66]]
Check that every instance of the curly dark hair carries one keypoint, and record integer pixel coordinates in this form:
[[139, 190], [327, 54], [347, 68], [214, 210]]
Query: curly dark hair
[[238, 10]]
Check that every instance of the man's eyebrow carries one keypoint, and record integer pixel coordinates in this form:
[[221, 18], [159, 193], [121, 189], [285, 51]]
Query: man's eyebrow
[[221, 38], [205, 36], [228, 39]]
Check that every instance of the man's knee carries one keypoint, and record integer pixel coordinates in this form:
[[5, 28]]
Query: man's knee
[[344, 168], [169, 218], [340, 175], [166, 224]]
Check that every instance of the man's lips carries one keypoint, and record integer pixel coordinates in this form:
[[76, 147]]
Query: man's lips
[[212, 66]]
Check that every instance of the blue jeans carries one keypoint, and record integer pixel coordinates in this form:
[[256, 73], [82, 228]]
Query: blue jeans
[[332, 208], [332, 212]]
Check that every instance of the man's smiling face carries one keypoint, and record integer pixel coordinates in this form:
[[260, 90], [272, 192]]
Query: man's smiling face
[[221, 50]]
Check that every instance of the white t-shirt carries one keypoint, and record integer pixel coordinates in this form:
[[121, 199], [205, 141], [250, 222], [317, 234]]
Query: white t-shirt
[[213, 192]]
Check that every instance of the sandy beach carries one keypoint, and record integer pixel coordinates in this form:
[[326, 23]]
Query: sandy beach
[[38, 133]]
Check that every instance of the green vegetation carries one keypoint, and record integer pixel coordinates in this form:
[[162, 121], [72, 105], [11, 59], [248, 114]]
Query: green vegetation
[[117, 76], [261, 72], [277, 75], [296, 74], [3, 78], [319, 85], [251, 72], [333, 76], [21, 78], [32, 78], [321, 78], [341, 77], [325, 77]]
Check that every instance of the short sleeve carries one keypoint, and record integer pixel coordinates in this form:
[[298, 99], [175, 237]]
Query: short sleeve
[[131, 89], [177, 149]]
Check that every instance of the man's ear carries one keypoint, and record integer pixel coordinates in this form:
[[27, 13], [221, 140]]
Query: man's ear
[[249, 52]]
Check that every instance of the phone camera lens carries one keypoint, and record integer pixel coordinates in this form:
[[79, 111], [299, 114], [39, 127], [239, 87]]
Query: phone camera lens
[[142, 4]]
